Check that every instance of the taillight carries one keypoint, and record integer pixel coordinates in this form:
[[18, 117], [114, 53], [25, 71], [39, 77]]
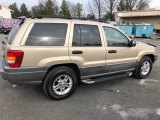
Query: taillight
[[14, 58]]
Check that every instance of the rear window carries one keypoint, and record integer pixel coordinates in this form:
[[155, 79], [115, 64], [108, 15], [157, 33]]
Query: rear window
[[13, 33], [47, 34]]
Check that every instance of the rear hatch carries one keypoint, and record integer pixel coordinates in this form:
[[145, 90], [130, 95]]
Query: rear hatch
[[7, 43]]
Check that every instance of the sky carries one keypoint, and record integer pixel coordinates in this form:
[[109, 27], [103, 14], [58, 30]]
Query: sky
[[30, 3]]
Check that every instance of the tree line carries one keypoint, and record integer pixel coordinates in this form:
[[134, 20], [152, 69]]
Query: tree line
[[96, 9]]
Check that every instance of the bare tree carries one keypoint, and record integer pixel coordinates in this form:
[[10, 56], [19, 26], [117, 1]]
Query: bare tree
[[72, 8], [90, 8], [97, 6], [143, 4], [75, 9], [111, 5], [131, 4]]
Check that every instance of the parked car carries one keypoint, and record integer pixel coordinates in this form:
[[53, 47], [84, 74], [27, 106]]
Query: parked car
[[8, 24], [60, 53]]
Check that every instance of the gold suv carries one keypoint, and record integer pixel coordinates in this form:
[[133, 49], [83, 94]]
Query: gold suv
[[59, 53]]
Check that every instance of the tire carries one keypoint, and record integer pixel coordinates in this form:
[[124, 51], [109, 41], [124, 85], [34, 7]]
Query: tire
[[139, 73], [55, 78]]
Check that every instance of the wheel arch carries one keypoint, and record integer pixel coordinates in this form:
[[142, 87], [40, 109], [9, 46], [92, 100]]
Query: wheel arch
[[73, 66], [151, 56]]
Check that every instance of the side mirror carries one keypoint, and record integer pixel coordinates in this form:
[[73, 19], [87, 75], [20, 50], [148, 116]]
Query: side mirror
[[132, 43]]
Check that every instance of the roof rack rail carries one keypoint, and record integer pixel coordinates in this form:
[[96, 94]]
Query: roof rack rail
[[68, 17], [40, 17], [37, 17], [97, 20], [64, 17]]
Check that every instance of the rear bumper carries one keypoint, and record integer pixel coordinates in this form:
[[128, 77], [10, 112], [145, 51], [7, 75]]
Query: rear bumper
[[23, 75]]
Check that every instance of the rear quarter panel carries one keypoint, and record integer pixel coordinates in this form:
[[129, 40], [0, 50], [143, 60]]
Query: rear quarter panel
[[41, 56], [44, 56]]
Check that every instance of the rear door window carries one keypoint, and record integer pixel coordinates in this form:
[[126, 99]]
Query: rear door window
[[47, 34], [86, 35]]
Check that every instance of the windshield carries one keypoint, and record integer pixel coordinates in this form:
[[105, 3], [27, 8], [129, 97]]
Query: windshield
[[13, 33]]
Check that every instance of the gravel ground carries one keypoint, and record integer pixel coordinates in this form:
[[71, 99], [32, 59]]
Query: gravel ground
[[120, 99]]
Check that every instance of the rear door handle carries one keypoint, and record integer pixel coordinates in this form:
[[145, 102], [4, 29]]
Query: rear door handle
[[112, 51], [77, 52]]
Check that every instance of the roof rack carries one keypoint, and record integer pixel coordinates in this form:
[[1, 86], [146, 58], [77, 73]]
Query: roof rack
[[40, 17], [67, 17], [64, 17]]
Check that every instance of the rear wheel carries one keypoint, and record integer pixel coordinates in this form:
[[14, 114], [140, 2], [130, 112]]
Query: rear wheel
[[60, 83], [144, 68]]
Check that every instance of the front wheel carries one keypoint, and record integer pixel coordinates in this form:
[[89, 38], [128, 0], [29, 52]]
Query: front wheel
[[144, 68], [60, 83]]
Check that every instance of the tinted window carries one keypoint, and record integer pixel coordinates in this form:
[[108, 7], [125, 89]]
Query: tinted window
[[115, 37], [47, 34], [86, 35], [77, 36]]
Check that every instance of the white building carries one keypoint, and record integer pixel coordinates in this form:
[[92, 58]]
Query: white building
[[5, 12]]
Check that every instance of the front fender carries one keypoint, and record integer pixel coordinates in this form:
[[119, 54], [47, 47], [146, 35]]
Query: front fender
[[145, 53]]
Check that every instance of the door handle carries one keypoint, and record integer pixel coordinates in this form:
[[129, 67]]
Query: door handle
[[112, 51], [77, 52]]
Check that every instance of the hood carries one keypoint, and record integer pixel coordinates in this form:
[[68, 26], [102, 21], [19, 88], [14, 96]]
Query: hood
[[145, 44], [146, 48]]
